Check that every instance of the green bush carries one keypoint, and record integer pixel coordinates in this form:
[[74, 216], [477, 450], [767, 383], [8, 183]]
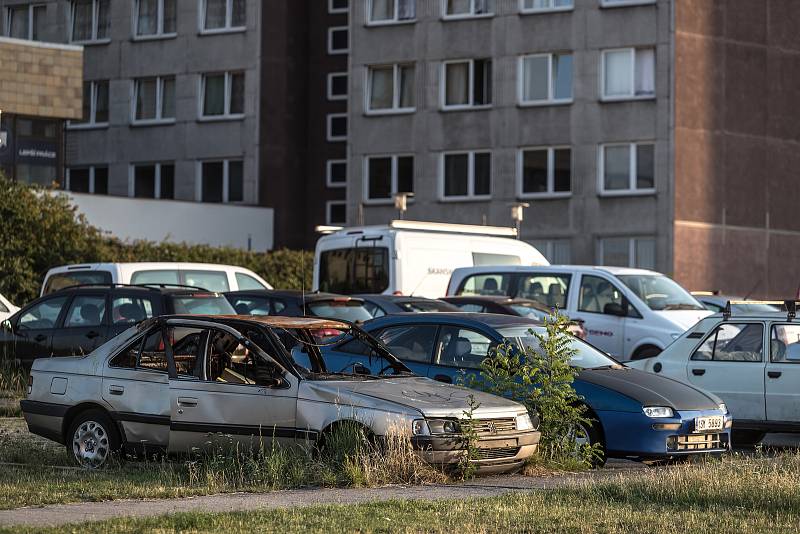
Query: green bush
[[40, 231]]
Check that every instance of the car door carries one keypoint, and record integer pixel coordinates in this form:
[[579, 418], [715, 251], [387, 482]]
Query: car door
[[730, 363], [412, 343], [458, 354], [782, 374], [225, 389], [131, 307], [32, 329], [84, 327], [602, 307], [136, 387]]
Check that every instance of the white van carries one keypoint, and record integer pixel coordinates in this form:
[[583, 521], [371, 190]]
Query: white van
[[629, 313], [204, 275], [412, 258]]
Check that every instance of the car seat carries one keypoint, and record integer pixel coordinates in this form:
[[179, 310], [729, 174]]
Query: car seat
[[777, 350], [457, 349], [90, 314], [490, 286], [555, 296], [131, 313]]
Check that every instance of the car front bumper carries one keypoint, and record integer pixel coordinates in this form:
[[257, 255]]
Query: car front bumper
[[634, 435], [495, 454]]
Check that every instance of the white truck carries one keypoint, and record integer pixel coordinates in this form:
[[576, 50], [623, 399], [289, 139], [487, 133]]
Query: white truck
[[412, 257]]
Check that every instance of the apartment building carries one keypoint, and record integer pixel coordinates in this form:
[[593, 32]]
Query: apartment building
[[236, 102], [616, 121]]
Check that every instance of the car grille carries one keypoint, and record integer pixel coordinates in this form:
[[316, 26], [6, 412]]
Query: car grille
[[488, 427], [697, 442], [494, 454]]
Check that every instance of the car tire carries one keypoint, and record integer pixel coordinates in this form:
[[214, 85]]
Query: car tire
[[648, 351], [746, 438], [92, 439], [595, 437]]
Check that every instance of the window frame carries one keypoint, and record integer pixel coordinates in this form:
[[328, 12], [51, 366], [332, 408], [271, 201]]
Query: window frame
[[394, 178], [395, 20], [632, 94], [538, 10], [328, 205], [443, 106], [331, 76], [766, 352], [551, 158], [329, 172], [105, 318], [631, 190], [334, 10], [335, 51], [95, 25], [470, 15], [632, 242], [228, 28], [31, 24], [548, 250], [158, 119], [625, 3], [92, 123], [550, 100], [438, 348], [226, 185], [227, 115], [329, 127], [772, 330], [160, 33], [91, 169], [156, 179], [470, 196], [396, 86]]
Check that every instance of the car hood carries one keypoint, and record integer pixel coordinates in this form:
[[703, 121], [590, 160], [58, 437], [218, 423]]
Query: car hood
[[429, 397], [650, 389], [683, 319]]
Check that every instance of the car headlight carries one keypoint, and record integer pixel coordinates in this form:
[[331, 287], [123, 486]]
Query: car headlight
[[723, 408], [524, 421], [443, 426], [658, 411], [419, 427]]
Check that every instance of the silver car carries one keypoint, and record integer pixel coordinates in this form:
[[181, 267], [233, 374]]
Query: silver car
[[180, 384]]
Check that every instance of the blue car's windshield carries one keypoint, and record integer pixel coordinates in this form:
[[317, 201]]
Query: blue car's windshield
[[585, 357]]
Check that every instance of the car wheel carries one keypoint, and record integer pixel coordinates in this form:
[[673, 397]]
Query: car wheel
[[92, 439], [746, 438], [590, 434], [646, 352]]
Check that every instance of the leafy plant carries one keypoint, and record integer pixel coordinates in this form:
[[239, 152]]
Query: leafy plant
[[469, 437]]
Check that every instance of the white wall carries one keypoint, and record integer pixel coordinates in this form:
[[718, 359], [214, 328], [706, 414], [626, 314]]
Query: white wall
[[176, 221]]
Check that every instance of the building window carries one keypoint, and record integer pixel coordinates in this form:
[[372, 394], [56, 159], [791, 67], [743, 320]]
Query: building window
[[629, 73], [452, 9], [336, 212], [154, 100], [620, 3], [337, 127], [222, 95], [336, 173], [90, 21], [467, 84], [466, 176], [557, 251], [544, 172], [540, 6], [627, 168], [337, 86], [26, 22], [153, 180], [391, 11], [390, 88], [92, 179], [223, 15], [545, 79], [338, 40], [221, 181], [95, 105], [154, 18], [338, 6], [637, 252], [386, 176]]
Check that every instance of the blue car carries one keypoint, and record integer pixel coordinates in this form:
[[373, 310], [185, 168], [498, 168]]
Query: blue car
[[636, 415]]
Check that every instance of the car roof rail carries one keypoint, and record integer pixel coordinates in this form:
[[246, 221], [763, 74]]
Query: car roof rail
[[95, 284], [165, 286], [790, 305]]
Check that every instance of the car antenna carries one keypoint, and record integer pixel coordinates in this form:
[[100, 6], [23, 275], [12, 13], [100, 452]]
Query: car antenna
[[303, 280]]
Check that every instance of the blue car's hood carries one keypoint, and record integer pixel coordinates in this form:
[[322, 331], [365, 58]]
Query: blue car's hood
[[650, 389]]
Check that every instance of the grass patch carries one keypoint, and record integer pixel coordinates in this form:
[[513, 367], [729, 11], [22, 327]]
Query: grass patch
[[737, 494]]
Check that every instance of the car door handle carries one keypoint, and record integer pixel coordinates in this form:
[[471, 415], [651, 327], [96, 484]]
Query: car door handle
[[116, 390], [187, 401], [40, 338], [443, 378], [698, 372], [92, 334], [774, 374]]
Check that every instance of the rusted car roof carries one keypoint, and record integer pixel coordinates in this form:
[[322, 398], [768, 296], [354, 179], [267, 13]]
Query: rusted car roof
[[278, 321]]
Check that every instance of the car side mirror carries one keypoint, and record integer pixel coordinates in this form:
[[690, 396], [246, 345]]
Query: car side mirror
[[6, 326], [612, 308]]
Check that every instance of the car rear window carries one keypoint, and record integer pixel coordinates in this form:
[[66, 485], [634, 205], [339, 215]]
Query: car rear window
[[75, 278], [346, 310], [201, 304], [419, 306], [354, 270]]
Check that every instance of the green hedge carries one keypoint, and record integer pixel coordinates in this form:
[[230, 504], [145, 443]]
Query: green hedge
[[39, 231]]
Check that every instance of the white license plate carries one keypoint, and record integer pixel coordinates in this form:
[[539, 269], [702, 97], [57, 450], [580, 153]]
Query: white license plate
[[708, 424]]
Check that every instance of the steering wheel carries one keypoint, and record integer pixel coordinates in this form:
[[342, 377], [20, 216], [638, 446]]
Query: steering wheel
[[354, 365]]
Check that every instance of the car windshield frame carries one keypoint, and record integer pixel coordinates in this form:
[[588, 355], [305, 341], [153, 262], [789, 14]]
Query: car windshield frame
[[674, 296], [522, 337]]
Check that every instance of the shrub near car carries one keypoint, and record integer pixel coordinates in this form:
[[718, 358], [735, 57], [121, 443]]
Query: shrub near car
[[186, 383], [79, 319], [638, 415]]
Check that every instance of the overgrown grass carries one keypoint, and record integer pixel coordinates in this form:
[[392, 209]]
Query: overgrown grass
[[738, 494], [13, 381]]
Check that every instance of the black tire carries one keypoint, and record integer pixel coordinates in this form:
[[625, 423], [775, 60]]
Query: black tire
[[92, 439], [595, 435], [648, 351], [746, 438]]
